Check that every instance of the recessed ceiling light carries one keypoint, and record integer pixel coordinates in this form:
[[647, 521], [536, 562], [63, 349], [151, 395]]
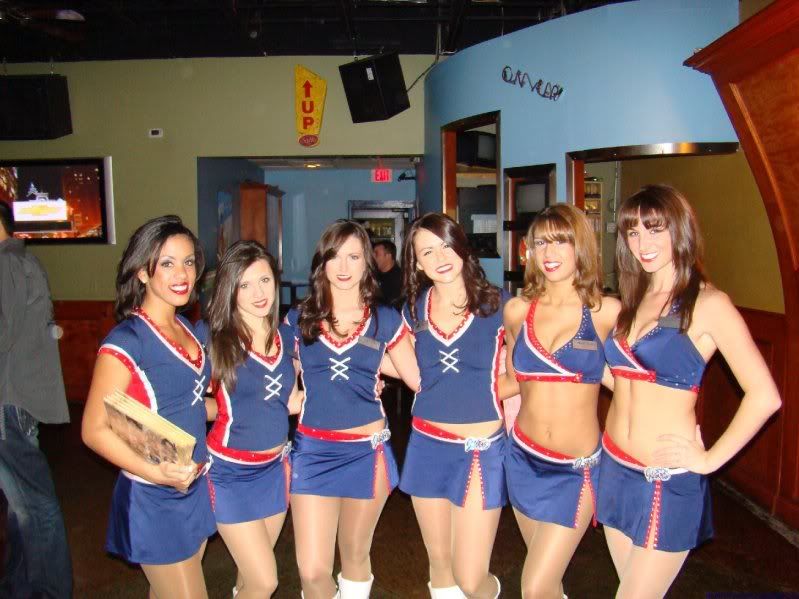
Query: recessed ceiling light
[[312, 165]]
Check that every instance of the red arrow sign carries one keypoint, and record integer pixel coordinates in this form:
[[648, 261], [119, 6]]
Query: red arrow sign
[[307, 87]]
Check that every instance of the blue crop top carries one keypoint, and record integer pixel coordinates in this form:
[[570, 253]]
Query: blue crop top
[[163, 377], [664, 356], [579, 360], [459, 370], [253, 416], [340, 376]]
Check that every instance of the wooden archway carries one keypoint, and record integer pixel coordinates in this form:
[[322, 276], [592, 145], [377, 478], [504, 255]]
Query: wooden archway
[[755, 68]]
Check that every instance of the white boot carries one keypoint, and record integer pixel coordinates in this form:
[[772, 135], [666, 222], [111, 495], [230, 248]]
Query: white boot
[[352, 589], [499, 587], [336, 596], [453, 592]]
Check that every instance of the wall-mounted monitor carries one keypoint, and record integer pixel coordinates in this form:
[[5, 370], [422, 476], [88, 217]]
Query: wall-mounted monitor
[[60, 201], [476, 148]]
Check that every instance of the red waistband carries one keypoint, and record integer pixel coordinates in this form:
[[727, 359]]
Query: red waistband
[[614, 450], [331, 435], [538, 448], [242, 455], [425, 426]]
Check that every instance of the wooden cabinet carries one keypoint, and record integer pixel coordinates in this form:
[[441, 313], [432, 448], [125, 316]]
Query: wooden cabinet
[[755, 68], [252, 211]]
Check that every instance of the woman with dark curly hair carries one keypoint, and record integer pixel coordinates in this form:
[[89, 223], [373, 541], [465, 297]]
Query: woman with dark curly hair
[[556, 329], [453, 466], [343, 466], [654, 499]]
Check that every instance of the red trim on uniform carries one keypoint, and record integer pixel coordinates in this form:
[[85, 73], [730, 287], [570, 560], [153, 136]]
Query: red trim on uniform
[[551, 377], [211, 493], [634, 375], [216, 435], [425, 426], [355, 334], [330, 435], [608, 443], [500, 343], [196, 362], [136, 387], [287, 476], [442, 334], [654, 516], [539, 448], [243, 455], [401, 333], [270, 359]]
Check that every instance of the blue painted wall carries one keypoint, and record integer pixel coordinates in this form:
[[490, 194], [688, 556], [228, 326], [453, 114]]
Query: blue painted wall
[[215, 175], [315, 198], [623, 79]]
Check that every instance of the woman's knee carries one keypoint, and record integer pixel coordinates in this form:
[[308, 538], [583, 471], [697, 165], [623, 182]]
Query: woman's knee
[[354, 550], [313, 573], [440, 556], [469, 580], [262, 585]]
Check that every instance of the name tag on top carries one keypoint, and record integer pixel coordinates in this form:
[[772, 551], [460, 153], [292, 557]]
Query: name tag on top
[[420, 326], [369, 342], [670, 321], [585, 344]]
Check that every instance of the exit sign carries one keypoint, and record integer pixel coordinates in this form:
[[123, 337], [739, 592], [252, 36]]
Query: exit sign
[[381, 175]]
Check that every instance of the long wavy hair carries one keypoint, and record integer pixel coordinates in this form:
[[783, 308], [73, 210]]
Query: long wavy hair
[[142, 253], [230, 337], [659, 206], [565, 224], [481, 297], [318, 306]]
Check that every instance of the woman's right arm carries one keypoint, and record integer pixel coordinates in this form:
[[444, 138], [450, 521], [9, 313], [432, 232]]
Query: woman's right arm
[[111, 375]]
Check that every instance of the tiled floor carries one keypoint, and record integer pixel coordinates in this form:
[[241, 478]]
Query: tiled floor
[[745, 556]]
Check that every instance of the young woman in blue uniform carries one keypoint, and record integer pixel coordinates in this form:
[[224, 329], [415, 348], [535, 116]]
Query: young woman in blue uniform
[[253, 382], [343, 467], [556, 329], [161, 513], [453, 465], [653, 495]]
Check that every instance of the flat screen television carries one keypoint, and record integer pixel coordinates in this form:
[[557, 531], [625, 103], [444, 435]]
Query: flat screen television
[[60, 201]]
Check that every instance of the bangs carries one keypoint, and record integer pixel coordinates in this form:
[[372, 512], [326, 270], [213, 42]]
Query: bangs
[[651, 210], [553, 227]]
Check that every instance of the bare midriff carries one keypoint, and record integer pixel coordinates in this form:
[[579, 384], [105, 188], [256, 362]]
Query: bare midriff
[[641, 412], [472, 429], [560, 416]]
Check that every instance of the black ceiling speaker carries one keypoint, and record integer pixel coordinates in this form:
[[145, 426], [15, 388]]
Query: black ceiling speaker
[[375, 88], [34, 107]]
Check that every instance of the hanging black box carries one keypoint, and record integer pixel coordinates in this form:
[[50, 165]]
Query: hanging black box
[[375, 88], [34, 107]]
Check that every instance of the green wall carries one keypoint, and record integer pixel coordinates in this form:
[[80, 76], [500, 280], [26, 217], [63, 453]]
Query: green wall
[[740, 255], [207, 107]]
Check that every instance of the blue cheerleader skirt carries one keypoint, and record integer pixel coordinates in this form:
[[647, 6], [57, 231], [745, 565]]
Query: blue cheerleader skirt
[[335, 464], [670, 505], [439, 464], [548, 486], [154, 524], [246, 492]]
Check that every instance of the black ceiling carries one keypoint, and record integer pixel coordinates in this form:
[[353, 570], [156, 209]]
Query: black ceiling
[[73, 30]]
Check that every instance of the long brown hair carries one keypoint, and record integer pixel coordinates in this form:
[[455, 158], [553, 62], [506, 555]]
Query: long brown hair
[[230, 337], [481, 297], [565, 224], [659, 206], [142, 253], [318, 306]]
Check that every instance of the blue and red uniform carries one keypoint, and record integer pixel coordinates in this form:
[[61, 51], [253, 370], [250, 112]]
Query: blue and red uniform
[[340, 377], [671, 505], [155, 524], [543, 484], [459, 385], [247, 483]]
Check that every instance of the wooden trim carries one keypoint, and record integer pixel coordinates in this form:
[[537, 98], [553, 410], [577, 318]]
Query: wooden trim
[[448, 173], [754, 68], [576, 177], [85, 324]]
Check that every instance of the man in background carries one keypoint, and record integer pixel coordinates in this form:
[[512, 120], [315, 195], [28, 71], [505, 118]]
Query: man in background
[[38, 563], [389, 274]]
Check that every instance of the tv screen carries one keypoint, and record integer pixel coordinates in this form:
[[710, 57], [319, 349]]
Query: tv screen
[[60, 201], [531, 197]]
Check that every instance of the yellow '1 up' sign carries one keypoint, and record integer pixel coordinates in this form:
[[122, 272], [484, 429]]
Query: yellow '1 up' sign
[[309, 105]]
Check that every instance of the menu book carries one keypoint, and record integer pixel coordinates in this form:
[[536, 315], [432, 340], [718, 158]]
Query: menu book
[[148, 434]]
